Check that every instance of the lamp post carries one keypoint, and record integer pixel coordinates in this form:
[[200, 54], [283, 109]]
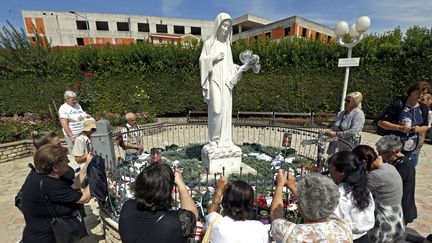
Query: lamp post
[[356, 32], [87, 24]]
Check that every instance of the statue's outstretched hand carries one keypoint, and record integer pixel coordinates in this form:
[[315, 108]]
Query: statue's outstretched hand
[[243, 68]]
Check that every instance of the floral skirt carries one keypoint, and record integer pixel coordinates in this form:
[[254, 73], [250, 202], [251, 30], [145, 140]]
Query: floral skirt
[[389, 224]]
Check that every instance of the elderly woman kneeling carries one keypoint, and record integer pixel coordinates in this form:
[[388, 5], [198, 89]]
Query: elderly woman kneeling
[[318, 197]]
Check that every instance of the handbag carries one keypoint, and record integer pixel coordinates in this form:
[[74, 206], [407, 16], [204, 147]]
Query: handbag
[[207, 235], [18, 197], [67, 229]]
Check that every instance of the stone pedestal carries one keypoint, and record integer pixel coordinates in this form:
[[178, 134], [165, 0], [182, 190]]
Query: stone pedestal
[[215, 158]]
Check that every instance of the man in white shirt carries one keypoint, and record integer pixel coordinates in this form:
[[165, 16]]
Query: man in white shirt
[[132, 137], [71, 117]]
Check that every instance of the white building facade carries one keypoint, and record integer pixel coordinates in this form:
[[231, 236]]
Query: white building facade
[[79, 28]]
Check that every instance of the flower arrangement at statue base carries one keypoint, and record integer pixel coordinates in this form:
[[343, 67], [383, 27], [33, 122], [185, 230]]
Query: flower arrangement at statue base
[[264, 160]]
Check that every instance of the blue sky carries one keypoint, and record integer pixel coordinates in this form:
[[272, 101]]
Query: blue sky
[[385, 14]]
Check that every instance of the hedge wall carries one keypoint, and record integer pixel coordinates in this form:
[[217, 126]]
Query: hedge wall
[[296, 76]]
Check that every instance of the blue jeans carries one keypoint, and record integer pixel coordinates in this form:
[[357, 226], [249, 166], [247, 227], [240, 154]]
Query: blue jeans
[[413, 157]]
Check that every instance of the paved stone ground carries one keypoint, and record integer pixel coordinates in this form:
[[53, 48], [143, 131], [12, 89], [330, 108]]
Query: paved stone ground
[[12, 176], [13, 173]]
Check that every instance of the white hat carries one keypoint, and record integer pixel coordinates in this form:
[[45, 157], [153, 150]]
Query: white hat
[[89, 124]]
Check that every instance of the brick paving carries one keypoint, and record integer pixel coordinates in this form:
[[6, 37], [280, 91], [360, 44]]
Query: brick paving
[[13, 173]]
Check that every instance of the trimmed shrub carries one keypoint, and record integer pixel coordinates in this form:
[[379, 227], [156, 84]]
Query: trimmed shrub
[[296, 76]]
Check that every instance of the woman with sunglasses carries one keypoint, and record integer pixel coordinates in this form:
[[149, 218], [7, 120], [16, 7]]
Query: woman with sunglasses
[[51, 164], [348, 126]]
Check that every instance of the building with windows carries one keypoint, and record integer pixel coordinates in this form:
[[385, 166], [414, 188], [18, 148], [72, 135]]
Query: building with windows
[[294, 26], [82, 29]]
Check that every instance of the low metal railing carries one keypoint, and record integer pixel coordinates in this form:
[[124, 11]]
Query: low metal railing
[[308, 143]]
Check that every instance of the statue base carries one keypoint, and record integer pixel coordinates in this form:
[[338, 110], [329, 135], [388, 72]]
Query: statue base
[[216, 158]]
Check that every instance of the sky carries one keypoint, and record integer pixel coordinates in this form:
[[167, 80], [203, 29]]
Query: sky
[[385, 14]]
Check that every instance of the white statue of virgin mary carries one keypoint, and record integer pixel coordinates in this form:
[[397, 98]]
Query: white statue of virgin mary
[[217, 71], [219, 74]]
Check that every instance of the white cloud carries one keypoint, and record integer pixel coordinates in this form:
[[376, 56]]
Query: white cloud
[[268, 9], [413, 12], [169, 7]]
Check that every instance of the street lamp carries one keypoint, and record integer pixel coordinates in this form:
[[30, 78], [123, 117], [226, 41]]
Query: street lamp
[[87, 24], [356, 32]]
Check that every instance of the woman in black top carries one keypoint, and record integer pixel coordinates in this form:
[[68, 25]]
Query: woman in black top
[[149, 217], [51, 163], [41, 139]]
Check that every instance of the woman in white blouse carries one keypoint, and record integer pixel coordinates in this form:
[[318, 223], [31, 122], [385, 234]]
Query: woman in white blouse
[[356, 204], [236, 224]]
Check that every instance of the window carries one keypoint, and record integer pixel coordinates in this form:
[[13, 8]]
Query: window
[[102, 25], [139, 40], [287, 31], [179, 29], [122, 26], [82, 25], [80, 41], [268, 35], [245, 28], [196, 30], [304, 32], [160, 40], [161, 28], [235, 29], [317, 36], [143, 27]]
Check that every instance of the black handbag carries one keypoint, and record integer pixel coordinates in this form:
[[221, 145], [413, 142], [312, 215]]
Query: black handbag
[[18, 197], [67, 229]]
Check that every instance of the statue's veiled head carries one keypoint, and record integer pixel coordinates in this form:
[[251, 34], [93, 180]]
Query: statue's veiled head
[[222, 27]]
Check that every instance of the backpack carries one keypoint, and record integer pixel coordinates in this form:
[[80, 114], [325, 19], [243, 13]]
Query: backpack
[[97, 179], [392, 114], [18, 197]]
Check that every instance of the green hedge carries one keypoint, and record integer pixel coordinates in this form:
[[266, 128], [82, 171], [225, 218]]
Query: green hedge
[[296, 76]]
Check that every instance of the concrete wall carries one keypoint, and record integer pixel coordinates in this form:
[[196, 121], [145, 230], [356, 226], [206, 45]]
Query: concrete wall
[[61, 30]]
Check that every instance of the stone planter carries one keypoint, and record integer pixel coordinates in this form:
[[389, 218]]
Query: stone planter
[[110, 228]]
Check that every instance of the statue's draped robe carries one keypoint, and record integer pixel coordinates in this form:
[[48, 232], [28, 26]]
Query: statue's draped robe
[[215, 81]]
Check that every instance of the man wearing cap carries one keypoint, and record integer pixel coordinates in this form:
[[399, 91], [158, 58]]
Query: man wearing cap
[[155, 156], [71, 116], [83, 146]]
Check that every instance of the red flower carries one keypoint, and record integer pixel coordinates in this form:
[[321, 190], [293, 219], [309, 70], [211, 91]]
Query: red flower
[[88, 74], [261, 201]]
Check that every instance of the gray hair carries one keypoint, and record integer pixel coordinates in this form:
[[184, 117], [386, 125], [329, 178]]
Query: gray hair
[[129, 115], [69, 94], [318, 196], [389, 143]]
